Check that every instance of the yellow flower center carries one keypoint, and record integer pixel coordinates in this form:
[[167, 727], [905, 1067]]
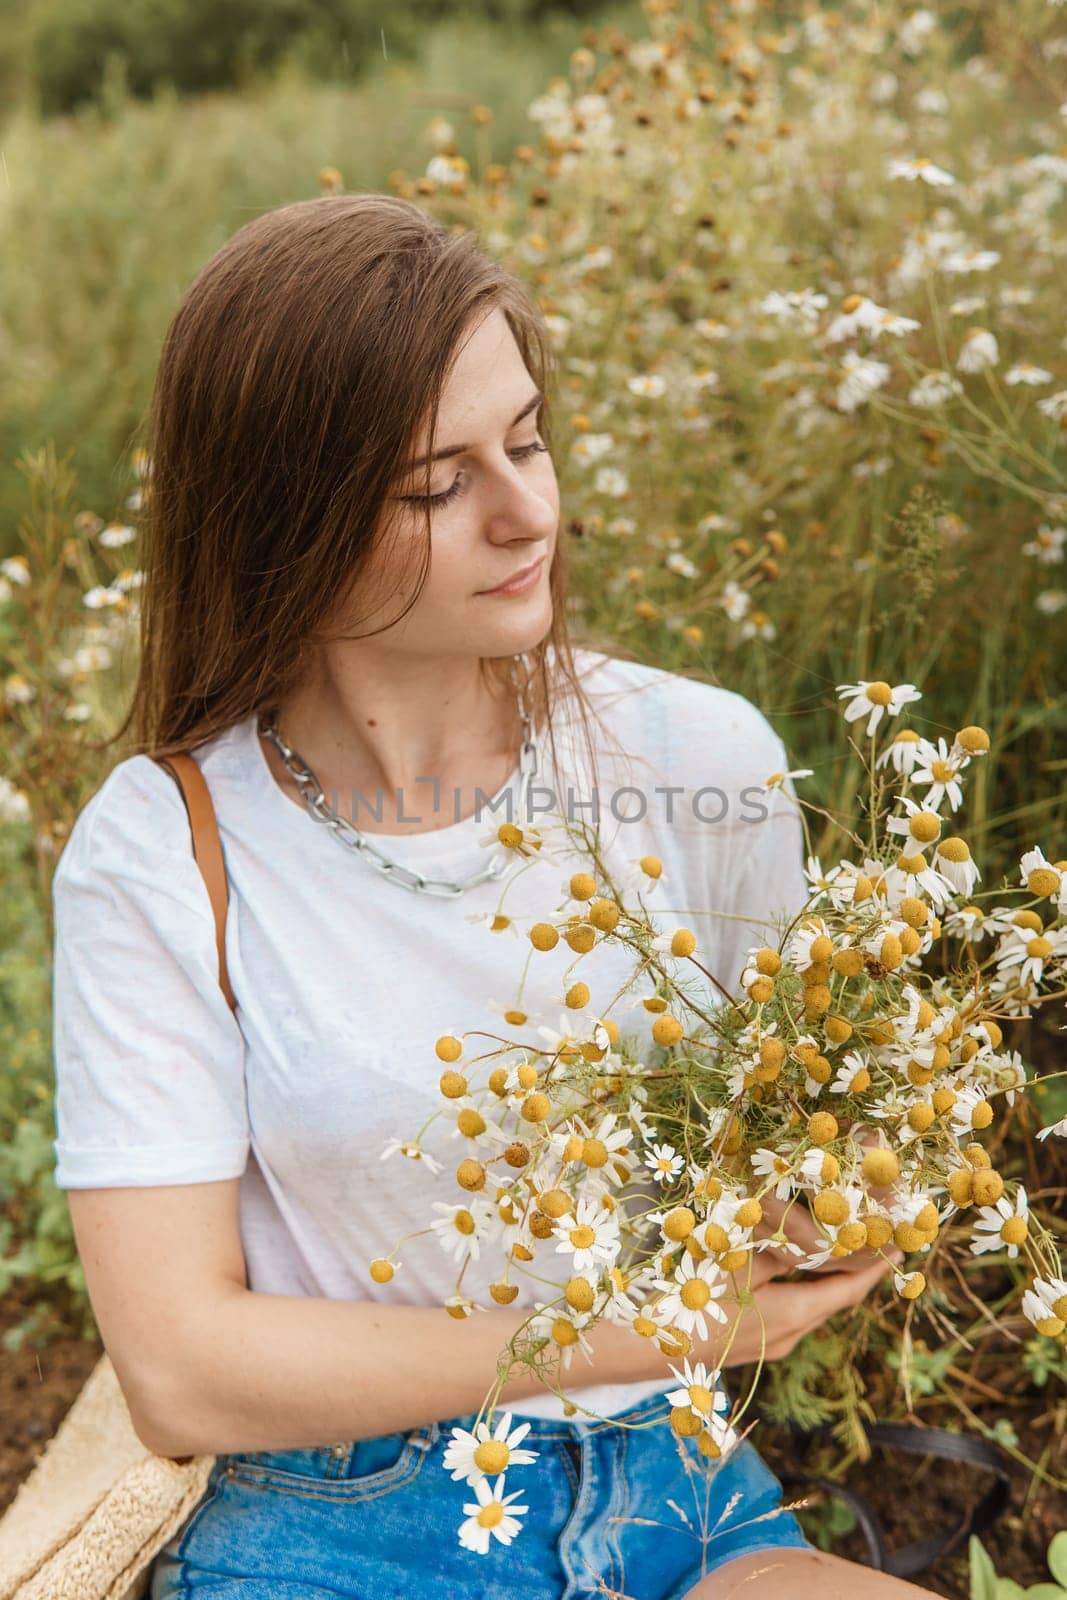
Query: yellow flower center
[[695, 1294], [492, 1455], [700, 1398], [1014, 1230], [594, 1153], [879, 693], [582, 1236], [490, 1515], [463, 1222]]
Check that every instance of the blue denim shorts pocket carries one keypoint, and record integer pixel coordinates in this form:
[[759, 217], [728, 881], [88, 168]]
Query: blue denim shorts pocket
[[350, 1471]]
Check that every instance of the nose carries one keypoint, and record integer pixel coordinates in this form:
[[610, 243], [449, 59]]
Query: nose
[[519, 508]]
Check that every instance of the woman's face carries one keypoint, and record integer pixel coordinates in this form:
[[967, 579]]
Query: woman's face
[[495, 511]]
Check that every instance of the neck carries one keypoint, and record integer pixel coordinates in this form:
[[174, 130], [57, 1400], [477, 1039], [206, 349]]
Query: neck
[[403, 734]]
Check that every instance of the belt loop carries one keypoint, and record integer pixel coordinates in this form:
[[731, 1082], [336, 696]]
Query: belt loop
[[340, 1457]]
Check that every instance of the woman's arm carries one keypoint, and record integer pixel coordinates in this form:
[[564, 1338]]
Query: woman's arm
[[209, 1366]]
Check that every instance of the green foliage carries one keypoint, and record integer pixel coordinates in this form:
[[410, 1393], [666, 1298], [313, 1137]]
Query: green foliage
[[1043, 1360], [820, 1383], [986, 1585], [192, 46], [926, 1369], [827, 1522], [107, 218]]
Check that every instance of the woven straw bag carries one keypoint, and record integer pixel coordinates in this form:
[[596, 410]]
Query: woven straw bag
[[98, 1505]]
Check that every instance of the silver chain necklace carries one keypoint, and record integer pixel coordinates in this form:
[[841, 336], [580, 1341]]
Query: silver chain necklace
[[347, 834]]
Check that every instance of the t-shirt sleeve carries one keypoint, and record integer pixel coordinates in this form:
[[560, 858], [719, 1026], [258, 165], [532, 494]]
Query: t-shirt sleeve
[[149, 1058]]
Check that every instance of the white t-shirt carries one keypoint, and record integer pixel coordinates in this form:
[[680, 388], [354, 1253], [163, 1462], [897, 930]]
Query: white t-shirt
[[344, 982]]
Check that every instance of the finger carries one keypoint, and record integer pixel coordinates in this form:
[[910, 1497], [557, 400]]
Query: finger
[[809, 1303]]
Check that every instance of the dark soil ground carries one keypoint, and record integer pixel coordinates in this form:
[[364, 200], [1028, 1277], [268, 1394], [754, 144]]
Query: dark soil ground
[[915, 1498]]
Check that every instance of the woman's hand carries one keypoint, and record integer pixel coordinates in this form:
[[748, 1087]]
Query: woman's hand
[[793, 1219], [776, 1315]]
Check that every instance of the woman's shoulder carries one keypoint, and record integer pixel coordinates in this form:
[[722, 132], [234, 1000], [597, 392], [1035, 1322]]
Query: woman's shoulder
[[135, 820], [653, 706], [132, 805]]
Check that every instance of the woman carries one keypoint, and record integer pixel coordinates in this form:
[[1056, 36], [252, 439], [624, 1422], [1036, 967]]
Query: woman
[[225, 1170]]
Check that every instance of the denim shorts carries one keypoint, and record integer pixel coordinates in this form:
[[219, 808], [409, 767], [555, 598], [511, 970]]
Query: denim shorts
[[632, 1513]]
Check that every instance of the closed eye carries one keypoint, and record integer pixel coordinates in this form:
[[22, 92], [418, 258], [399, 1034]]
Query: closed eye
[[521, 453]]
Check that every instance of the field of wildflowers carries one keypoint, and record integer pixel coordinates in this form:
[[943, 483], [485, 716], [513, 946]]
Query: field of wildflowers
[[803, 269]]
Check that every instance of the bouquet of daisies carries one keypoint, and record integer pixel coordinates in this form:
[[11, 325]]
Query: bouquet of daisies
[[847, 1077]]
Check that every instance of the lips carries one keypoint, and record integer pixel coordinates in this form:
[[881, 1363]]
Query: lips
[[516, 577]]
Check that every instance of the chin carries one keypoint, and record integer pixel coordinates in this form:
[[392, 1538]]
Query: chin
[[523, 633]]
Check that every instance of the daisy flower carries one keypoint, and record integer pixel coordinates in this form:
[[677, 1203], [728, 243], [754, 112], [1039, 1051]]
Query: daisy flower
[[800, 944], [734, 600], [938, 768], [524, 841], [1046, 545], [870, 318], [591, 1234], [457, 1229], [607, 1147], [1059, 1128], [1027, 372], [903, 753], [17, 568], [925, 879], [1045, 1305], [496, 922], [1032, 953], [1052, 879], [920, 167], [700, 1393], [647, 383], [967, 1097], [854, 1197], [978, 350], [641, 877], [477, 1453], [775, 1164], [955, 862], [1002, 1225], [620, 1306], [820, 883], [664, 1161], [693, 1290], [968, 923], [874, 698], [408, 1147], [564, 1328], [474, 1125], [776, 779], [492, 1515], [1055, 406], [860, 377], [461, 1305], [588, 1030], [851, 1067]]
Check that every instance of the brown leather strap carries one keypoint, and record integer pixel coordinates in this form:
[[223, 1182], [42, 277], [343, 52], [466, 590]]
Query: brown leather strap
[[207, 848]]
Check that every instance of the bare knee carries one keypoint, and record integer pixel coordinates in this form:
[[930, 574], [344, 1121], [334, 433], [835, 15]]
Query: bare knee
[[802, 1575]]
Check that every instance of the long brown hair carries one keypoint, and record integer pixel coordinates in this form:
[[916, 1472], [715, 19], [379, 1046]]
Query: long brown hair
[[296, 372]]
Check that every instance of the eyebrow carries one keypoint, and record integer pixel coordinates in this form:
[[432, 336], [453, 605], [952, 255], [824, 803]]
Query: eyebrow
[[458, 449]]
